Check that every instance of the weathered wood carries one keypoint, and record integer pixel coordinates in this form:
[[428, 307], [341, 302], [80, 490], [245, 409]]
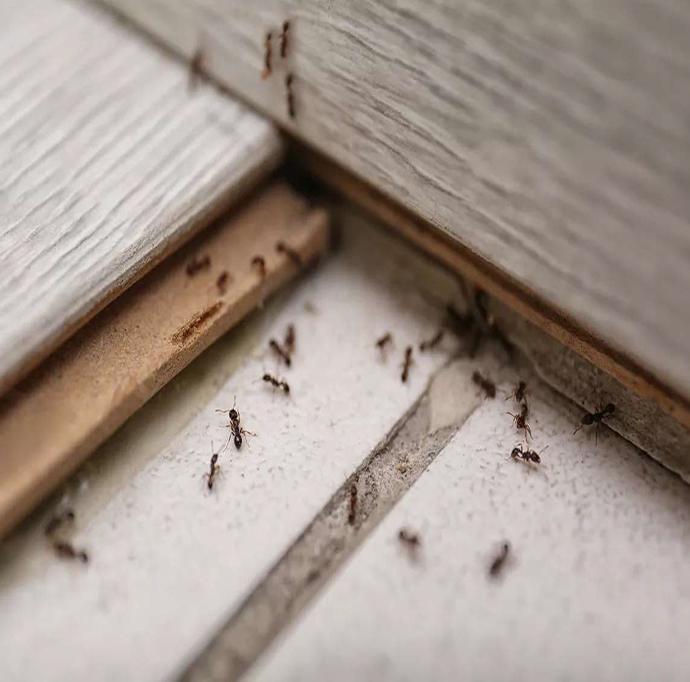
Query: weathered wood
[[550, 138], [108, 369], [109, 162]]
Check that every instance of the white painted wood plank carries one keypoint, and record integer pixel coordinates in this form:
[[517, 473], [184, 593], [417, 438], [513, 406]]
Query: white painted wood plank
[[169, 560], [597, 586], [108, 162], [551, 138]]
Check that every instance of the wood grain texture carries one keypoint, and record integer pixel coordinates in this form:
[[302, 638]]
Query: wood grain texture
[[551, 138], [108, 163], [112, 366]]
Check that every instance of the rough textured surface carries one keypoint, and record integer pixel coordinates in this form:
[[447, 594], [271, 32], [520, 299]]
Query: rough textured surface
[[109, 162], [171, 561], [596, 586], [550, 137], [337, 530]]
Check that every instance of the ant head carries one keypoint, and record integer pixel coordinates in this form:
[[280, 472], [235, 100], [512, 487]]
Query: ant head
[[588, 419], [214, 458], [266, 377], [610, 408], [535, 458], [238, 441], [517, 451], [234, 414]]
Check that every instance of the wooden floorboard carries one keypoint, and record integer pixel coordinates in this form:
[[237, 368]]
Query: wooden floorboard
[[109, 162]]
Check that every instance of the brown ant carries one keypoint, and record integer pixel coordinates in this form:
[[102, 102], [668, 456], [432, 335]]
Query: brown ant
[[267, 56], [432, 342], [352, 514], [66, 550], [57, 521], [486, 385], [259, 262], [527, 455], [596, 417], [290, 340], [407, 363], [519, 392], [282, 247], [383, 342], [284, 40], [290, 96], [499, 560], [196, 265], [62, 547], [276, 383], [520, 420], [236, 430], [197, 71], [280, 352], [222, 281], [410, 540], [213, 469]]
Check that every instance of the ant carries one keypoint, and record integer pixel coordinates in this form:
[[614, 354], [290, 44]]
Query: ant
[[283, 385], [57, 520], [520, 420], [486, 385], [196, 265], [410, 540], [527, 455], [280, 352], [290, 96], [519, 392], [383, 342], [66, 550], [407, 363], [596, 417], [290, 339], [284, 40], [62, 547], [196, 68], [282, 247], [499, 560], [432, 342], [352, 514], [213, 469], [267, 56], [222, 281], [236, 430], [259, 263]]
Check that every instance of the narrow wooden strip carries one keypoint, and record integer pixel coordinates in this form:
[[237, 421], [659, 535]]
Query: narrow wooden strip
[[51, 421], [110, 161], [497, 283]]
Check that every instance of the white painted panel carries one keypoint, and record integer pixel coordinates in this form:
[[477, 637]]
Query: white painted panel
[[550, 137], [597, 586], [108, 161]]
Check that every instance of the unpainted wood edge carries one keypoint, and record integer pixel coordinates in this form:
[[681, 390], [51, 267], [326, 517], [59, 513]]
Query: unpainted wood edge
[[198, 221], [494, 281], [33, 484]]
